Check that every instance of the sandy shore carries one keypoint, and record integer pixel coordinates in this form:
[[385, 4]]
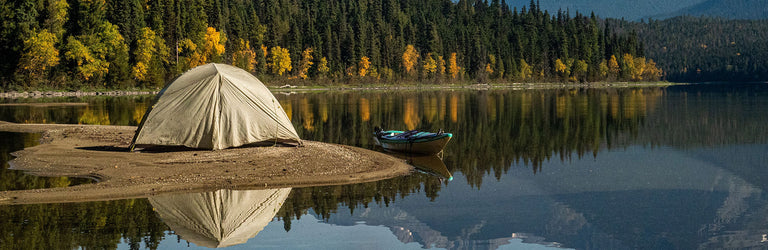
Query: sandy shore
[[101, 152]]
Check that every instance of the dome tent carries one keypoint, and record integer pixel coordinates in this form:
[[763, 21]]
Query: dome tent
[[214, 106]]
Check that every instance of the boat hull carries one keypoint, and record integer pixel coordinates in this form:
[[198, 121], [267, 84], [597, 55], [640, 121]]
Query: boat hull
[[426, 147]]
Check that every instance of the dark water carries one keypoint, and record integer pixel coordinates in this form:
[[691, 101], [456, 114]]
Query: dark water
[[681, 167]]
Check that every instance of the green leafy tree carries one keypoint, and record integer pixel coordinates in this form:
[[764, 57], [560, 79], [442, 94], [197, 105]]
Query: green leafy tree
[[57, 12]]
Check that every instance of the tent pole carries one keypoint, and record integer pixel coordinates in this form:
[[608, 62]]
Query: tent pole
[[277, 124]]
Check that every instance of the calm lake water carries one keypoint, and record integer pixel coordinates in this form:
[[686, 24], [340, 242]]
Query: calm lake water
[[680, 167]]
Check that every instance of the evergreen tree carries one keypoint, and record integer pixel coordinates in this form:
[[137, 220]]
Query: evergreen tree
[[106, 40]]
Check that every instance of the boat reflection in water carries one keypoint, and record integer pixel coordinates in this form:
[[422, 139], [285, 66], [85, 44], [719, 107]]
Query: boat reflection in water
[[431, 164], [220, 218]]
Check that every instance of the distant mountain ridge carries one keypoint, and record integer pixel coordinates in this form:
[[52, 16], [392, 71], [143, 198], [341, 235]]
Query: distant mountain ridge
[[657, 9], [731, 9]]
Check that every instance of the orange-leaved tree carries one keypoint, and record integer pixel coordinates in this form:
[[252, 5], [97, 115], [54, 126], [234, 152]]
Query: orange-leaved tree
[[410, 58], [305, 63], [453, 67], [490, 64], [363, 66], [440, 66], [244, 57]]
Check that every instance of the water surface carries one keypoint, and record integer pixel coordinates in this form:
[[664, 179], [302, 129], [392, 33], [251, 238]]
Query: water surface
[[679, 167]]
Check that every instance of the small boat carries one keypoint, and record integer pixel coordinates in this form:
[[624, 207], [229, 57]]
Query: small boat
[[413, 141]]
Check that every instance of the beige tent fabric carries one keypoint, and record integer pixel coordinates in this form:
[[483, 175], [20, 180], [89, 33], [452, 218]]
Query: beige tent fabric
[[215, 106], [220, 218]]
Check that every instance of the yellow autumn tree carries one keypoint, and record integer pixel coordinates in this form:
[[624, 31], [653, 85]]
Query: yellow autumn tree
[[244, 57], [453, 67], [613, 67], [429, 66], [603, 68], [322, 66], [191, 56], [637, 73], [264, 50], [279, 60], [149, 47], [651, 72], [87, 65], [628, 69], [526, 71], [489, 65], [143, 55], [363, 66], [94, 54], [39, 54], [305, 63], [410, 58], [214, 45], [262, 59], [561, 69]]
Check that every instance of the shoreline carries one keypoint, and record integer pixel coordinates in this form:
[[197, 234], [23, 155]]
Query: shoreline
[[296, 88], [101, 153]]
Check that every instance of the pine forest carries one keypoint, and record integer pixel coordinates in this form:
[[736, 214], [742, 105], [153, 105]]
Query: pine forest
[[114, 44]]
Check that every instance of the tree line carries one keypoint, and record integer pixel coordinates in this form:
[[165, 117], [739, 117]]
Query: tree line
[[704, 49], [144, 43]]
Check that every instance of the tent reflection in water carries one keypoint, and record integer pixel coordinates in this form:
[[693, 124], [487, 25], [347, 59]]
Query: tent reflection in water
[[214, 106], [220, 218]]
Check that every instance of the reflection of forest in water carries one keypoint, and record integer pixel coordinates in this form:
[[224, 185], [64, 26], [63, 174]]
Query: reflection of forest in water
[[494, 131], [98, 110], [492, 128], [17, 180], [91, 225]]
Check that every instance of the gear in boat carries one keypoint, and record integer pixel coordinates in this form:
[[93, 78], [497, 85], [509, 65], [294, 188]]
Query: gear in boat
[[412, 141]]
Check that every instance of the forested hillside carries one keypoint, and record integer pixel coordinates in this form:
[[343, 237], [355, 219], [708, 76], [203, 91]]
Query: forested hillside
[[126, 43], [631, 10], [695, 49]]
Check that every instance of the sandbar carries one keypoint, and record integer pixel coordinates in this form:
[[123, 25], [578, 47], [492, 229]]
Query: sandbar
[[101, 153]]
